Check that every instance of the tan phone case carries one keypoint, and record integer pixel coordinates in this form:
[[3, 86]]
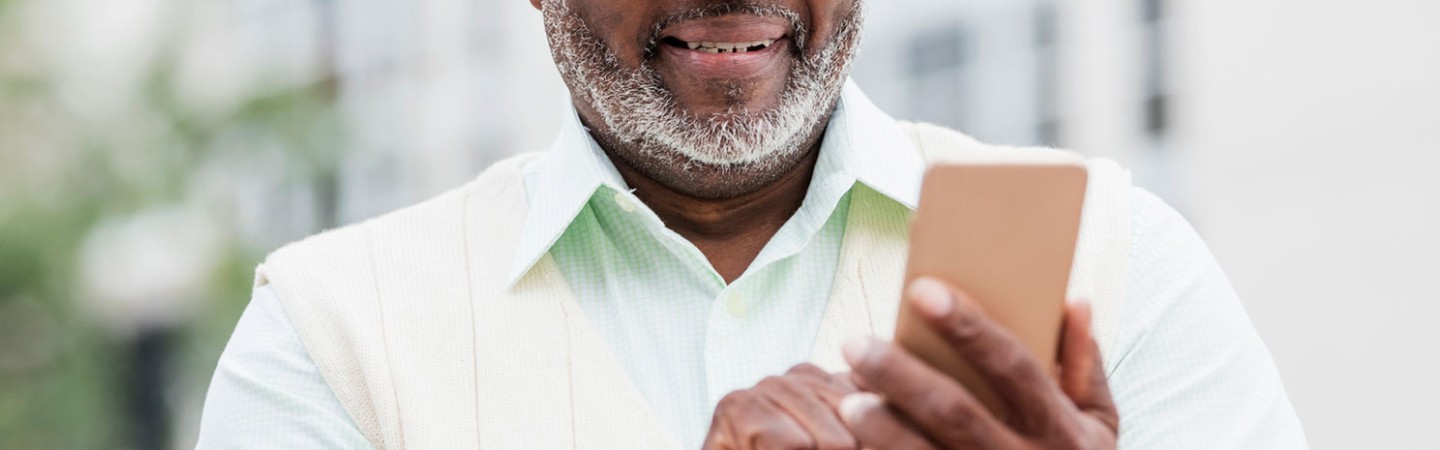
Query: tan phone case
[[1004, 233]]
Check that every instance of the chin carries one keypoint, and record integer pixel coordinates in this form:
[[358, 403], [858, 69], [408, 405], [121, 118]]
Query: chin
[[729, 102], [715, 105]]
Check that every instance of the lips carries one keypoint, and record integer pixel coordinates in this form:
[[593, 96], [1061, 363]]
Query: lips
[[728, 29], [730, 47]]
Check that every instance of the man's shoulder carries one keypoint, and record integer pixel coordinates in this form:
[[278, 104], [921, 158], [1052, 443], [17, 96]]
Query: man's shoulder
[[501, 182], [939, 144]]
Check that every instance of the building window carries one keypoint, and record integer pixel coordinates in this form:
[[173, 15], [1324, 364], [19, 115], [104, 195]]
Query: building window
[[934, 61], [1156, 96], [1047, 74]]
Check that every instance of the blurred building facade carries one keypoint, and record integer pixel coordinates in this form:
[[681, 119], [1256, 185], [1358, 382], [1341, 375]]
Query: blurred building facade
[[427, 93], [1297, 135], [1087, 75]]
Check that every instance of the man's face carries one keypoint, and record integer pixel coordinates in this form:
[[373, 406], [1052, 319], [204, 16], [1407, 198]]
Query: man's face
[[723, 83]]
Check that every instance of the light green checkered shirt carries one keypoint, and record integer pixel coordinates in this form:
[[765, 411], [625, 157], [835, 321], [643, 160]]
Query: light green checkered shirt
[[684, 336]]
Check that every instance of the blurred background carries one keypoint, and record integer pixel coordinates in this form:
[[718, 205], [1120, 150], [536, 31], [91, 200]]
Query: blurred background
[[152, 151]]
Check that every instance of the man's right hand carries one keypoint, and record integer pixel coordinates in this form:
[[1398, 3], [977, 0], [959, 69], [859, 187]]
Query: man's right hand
[[793, 411]]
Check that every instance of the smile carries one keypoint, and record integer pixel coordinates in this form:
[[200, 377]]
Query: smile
[[723, 47], [731, 47]]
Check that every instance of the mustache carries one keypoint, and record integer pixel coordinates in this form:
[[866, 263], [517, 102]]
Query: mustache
[[797, 27]]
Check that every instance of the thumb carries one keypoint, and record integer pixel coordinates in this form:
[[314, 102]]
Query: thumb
[[1082, 374]]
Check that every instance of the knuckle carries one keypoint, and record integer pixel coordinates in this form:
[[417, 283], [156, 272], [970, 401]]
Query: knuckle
[[719, 440], [1068, 437], [835, 442], [770, 384], [781, 437], [841, 384], [756, 431], [1010, 363], [1015, 365], [732, 401], [805, 369], [1075, 437], [967, 330], [881, 366], [795, 441], [957, 415]]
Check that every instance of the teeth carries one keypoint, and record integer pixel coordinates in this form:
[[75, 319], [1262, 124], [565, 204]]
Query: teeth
[[730, 47]]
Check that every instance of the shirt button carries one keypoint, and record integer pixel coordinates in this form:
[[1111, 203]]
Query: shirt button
[[624, 202], [736, 306]]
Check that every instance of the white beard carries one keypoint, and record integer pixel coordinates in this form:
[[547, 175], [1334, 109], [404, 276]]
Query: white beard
[[640, 112]]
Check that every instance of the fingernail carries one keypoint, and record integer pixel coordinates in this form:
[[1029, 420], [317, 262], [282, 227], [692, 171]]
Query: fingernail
[[931, 297], [1080, 306], [856, 349], [853, 406]]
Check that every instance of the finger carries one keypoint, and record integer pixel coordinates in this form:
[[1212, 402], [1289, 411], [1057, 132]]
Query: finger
[[776, 429], [720, 437], [811, 411], [1078, 361], [937, 404], [808, 370], [877, 427], [747, 420], [830, 387], [1082, 370], [830, 391], [1000, 357]]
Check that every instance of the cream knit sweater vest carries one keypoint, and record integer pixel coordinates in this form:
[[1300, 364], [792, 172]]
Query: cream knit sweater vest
[[408, 318]]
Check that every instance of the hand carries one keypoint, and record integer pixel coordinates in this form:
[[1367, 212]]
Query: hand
[[794, 411], [913, 406]]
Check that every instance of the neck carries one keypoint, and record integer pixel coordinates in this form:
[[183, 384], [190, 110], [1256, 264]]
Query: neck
[[732, 230]]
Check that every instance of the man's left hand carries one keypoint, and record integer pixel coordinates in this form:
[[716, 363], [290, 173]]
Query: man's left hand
[[791, 411], [913, 406]]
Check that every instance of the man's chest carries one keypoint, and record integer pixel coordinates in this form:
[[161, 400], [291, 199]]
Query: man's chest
[[683, 336]]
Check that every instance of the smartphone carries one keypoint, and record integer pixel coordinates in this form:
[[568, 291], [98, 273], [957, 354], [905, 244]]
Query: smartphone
[[1005, 234]]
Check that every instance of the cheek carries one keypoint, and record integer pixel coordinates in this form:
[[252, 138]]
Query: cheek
[[620, 24], [825, 19]]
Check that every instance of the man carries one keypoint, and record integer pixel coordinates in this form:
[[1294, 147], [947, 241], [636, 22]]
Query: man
[[723, 207]]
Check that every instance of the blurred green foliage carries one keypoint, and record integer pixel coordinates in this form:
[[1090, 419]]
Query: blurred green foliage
[[62, 378]]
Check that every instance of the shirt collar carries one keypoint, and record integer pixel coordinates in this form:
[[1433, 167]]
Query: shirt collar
[[861, 144], [557, 185], [874, 147]]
